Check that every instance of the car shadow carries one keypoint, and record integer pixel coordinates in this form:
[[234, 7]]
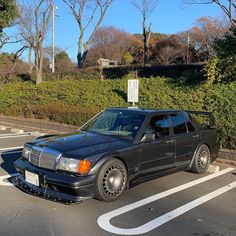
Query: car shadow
[[8, 158]]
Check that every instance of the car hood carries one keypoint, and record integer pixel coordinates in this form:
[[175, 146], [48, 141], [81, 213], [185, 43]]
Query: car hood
[[81, 144]]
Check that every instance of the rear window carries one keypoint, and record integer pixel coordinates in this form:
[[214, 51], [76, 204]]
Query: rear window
[[201, 121]]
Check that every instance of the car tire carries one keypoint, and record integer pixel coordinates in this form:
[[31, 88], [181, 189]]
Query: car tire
[[201, 159], [111, 180]]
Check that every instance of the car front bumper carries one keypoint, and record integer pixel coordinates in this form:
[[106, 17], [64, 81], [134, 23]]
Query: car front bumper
[[54, 185]]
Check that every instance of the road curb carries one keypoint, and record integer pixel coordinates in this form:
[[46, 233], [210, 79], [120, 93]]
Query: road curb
[[225, 161], [227, 154], [18, 131], [3, 127], [37, 134]]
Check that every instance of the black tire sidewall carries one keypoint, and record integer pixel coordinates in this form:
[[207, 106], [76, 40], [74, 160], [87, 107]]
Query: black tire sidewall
[[196, 167], [99, 191]]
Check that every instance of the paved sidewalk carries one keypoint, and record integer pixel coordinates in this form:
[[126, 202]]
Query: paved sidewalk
[[29, 125]]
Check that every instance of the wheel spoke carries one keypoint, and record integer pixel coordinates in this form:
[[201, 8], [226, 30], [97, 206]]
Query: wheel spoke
[[203, 158], [114, 180]]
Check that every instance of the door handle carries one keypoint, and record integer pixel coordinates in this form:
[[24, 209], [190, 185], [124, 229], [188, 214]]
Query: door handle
[[195, 135], [170, 141]]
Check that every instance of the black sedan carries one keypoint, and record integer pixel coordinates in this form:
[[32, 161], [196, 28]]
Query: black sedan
[[115, 150]]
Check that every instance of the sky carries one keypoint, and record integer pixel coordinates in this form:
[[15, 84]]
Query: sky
[[169, 17]]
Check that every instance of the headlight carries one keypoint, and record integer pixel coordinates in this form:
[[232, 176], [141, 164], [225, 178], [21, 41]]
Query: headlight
[[74, 165], [26, 153]]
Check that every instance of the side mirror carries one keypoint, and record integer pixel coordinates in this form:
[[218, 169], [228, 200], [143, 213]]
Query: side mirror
[[148, 136]]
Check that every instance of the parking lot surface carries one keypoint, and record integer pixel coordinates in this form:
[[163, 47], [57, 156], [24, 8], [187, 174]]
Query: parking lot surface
[[182, 204]]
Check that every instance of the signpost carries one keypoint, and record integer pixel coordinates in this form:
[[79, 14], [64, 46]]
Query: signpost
[[133, 85]]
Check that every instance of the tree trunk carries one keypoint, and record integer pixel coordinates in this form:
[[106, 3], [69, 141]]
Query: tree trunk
[[145, 52], [81, 59], [145, 46], [39, 76], [81, 55], [30, 61], [39, 53]]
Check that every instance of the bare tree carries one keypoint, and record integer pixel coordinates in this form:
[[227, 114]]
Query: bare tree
[[11, 70], [33, 28], [146, 8], [227, 6], [94, 8], [26, 30], [8, 39], [109, 42]]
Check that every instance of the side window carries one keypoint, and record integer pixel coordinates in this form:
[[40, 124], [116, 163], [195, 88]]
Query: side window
[[190, 127], [178, 123], [159, 124]]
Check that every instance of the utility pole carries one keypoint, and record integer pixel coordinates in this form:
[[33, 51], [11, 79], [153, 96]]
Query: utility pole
[[187, 59], [53, 38]]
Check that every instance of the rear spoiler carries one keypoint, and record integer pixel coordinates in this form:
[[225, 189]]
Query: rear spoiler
[[206, 115]]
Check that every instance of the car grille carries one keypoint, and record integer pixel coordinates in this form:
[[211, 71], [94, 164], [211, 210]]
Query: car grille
[[44, 157]]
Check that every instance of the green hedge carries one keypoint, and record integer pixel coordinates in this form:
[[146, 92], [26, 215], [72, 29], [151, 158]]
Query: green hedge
[[75, 101]]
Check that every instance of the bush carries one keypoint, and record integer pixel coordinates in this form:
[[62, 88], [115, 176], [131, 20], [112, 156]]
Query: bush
[[78, 75], [128, 58], [170, 71], [223, 66], [221, 101], [75, 101]]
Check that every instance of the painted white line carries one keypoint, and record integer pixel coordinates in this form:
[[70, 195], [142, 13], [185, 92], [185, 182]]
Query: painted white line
[[5, 182], [104, 220], [170, 215], [10, 148], [16, 136]]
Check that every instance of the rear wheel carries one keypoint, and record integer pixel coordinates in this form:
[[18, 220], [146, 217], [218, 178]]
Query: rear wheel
[[111, 180], [201, 159]]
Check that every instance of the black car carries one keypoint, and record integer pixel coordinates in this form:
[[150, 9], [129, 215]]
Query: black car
[[115, 150]]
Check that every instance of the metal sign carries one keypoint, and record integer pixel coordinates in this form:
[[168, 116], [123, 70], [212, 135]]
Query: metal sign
[[133, 90]]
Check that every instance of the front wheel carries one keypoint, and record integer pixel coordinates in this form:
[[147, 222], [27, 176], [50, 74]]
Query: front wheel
[[111, 180], [201, 159]]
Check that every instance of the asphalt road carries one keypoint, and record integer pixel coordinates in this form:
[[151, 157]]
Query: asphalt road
[[178, 204]]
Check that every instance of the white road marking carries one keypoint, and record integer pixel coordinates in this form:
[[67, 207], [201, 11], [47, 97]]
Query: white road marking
[[170, 215], [104, 220], [15, 136], [10, 148], [5, 182]]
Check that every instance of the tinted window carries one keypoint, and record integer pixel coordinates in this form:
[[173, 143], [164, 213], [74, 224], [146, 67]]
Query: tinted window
[[160, 126], [178, 123], [124, 123], [190, 127]]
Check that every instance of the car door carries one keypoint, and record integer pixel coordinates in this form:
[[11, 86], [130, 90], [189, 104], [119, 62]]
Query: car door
[[157, 155], [186, 138]]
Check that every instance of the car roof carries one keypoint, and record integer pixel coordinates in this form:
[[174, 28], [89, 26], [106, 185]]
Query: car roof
[[135, 109]]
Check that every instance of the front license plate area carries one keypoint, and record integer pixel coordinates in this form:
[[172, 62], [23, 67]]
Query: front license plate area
[[32, 178]]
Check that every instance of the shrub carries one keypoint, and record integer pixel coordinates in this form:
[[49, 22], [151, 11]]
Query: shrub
[[75, 101], [223, 66], [128, 58], [221, 101]]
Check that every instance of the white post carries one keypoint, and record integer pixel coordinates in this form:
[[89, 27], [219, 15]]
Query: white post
[[53, 38], [187, 59]]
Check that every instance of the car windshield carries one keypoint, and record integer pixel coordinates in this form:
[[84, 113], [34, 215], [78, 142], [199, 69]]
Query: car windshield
[[123, 124]]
